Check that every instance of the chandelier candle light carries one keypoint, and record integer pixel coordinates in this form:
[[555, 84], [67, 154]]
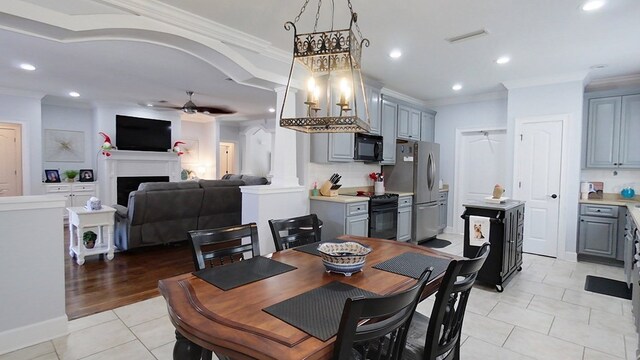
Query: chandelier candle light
[[335, 101]]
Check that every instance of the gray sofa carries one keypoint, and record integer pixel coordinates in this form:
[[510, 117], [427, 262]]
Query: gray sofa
[[163, 212], [248, 179]]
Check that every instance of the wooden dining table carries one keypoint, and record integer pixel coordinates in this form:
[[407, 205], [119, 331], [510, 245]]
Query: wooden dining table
[[232, 323]]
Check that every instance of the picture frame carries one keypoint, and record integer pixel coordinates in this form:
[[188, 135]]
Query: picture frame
[[86, 175], [51, 176], [63, 145]]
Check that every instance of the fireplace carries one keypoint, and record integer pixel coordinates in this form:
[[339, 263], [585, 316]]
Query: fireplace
[[127, 184], [146, 165]]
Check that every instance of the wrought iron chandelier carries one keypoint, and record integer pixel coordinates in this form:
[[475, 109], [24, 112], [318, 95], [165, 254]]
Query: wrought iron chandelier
[[335, 100]]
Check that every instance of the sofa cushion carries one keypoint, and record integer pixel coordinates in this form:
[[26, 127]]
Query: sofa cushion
[[161, 186], [231, 177], [254, 180], [219, 183]]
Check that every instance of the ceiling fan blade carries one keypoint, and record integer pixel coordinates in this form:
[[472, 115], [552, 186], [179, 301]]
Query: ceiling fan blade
[[214, 110], [167, 107]]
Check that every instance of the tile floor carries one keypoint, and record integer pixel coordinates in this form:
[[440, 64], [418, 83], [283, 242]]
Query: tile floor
[[544, 313]]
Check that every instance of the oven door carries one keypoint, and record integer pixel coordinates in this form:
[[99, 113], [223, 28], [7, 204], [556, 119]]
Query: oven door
[[383, 222]]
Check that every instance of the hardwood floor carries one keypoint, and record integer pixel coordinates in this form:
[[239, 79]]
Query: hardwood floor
[[131, 276]]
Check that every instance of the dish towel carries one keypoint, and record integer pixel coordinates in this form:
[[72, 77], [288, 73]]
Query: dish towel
[[479, 230]]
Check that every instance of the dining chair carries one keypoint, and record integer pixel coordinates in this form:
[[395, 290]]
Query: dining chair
[[219, 246], [376, 328], [222, 245], [438, 336], [293, 232]]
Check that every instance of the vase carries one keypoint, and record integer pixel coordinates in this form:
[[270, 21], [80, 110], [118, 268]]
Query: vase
[[378, 188], [90, 244]]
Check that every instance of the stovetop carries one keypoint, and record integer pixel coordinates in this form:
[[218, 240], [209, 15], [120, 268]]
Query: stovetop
[[371, 195]]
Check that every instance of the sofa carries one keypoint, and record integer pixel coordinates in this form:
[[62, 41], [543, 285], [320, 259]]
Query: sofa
[[163, 212], [248, 179]]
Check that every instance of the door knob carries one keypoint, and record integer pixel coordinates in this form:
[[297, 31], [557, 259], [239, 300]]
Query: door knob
[[553, 196]]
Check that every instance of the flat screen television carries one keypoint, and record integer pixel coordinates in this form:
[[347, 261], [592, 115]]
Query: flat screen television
[[134, 133]]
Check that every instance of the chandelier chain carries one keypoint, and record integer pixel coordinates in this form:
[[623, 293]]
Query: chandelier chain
[[315, 25], [356, 22], [304, 7]]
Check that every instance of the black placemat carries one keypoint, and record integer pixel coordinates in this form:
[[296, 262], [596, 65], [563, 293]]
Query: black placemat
[[413, 264], [313, 248], [240, 273], [317, 312]]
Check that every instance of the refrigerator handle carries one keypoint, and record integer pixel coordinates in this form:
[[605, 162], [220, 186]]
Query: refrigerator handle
[[430, 172]]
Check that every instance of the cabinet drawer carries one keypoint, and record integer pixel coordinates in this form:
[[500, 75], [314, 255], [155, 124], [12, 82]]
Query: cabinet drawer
[[443, 195], [599, 210], [405, 201], [58, 188], [357, 208], [83, 187]]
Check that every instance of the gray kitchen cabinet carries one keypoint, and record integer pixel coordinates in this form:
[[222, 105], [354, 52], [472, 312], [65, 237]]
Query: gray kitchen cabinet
[[613, 126], [332, 147], [427, 126], [408, 123], [340, 218], [404, 218], [373, 104], [389, 118], [442, 204], [598, 231]]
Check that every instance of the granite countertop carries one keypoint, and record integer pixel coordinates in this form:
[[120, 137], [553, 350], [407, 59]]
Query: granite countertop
[[634, 211], [351, 199], [345, 199], [615, 200]]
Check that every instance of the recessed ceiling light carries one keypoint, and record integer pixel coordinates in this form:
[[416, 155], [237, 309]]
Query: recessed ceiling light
[[272, 110], [503, 60], [149, 105], [27, 67], [394, 54], [74, 94], [597, 66], [457, 87], [592, 5]]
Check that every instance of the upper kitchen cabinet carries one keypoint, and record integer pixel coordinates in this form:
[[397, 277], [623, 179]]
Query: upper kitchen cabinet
[[336, 147], [373, 103], [389, 117], [613, 124], [408, 123], [427, 127]]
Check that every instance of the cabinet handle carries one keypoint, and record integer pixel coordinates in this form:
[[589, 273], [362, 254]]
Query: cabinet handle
[[598, 210]]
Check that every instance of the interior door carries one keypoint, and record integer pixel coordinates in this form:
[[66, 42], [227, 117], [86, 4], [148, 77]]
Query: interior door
[[480, 165], [225, 160], [10, 160], [538, 156]]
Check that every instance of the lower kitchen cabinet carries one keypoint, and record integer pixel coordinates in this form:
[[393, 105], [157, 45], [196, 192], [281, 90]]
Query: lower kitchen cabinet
[[341, 218], [601, 233], [505, 238], [404, 218]]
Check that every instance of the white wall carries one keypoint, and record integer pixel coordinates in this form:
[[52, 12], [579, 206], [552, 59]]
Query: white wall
[[32, 266], [26, 111], [613, 183], [71, 119], [449, 119], [354, 174], [207, 151], [553, 99]]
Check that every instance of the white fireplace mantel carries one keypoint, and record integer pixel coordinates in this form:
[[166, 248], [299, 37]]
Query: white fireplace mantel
[[133, 163]]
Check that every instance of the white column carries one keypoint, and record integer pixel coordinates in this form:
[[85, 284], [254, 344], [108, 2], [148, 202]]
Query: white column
[[284, 198], [284, 143]]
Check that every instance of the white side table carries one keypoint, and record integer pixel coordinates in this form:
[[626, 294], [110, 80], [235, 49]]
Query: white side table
[[81, 218]]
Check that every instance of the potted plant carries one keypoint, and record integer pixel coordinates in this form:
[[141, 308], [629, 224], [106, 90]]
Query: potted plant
[[71, 175], [89, 239]]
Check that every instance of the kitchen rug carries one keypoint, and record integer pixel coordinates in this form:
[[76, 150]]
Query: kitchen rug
[[606, 286], [435, 243]]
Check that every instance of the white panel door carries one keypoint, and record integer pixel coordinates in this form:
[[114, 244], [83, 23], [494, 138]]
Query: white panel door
[[10, 161], [481, 164], [538, 157]]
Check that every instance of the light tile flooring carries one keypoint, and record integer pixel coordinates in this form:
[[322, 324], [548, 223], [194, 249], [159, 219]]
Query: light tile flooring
[[544, 313]]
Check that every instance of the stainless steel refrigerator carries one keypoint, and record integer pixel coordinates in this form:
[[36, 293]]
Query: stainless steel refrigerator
[[417, 170]]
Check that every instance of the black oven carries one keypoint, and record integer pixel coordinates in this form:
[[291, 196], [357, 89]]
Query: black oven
[[368, 147], [383, 216]]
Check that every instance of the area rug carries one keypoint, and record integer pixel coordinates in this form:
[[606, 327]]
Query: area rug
[[606, 286], [436, 243]]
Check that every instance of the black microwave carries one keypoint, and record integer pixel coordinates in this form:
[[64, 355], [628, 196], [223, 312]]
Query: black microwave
[[368, 148]]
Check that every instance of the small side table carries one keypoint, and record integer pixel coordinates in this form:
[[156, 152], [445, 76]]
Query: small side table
[[81, 218]]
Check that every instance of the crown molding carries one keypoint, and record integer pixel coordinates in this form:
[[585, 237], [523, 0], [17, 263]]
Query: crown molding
[[400, 96], [547, 80], [22, 93], [192, 22], [614, 82], [496, 95]]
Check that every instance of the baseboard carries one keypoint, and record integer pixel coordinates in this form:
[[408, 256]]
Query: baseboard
[[33, 334], [570, 256]]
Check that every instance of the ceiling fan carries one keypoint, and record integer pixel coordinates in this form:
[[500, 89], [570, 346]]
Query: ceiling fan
[[190, 108]]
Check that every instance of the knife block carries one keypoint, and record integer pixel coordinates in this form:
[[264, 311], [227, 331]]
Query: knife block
[[325, 189]]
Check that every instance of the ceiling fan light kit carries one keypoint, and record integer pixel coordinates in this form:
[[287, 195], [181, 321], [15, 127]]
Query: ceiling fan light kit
[[335, 88]]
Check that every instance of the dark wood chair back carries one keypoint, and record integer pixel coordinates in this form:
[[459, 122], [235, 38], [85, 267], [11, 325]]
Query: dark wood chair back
[[298, 231], [376, 328], [445, 324], [222, 245]]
